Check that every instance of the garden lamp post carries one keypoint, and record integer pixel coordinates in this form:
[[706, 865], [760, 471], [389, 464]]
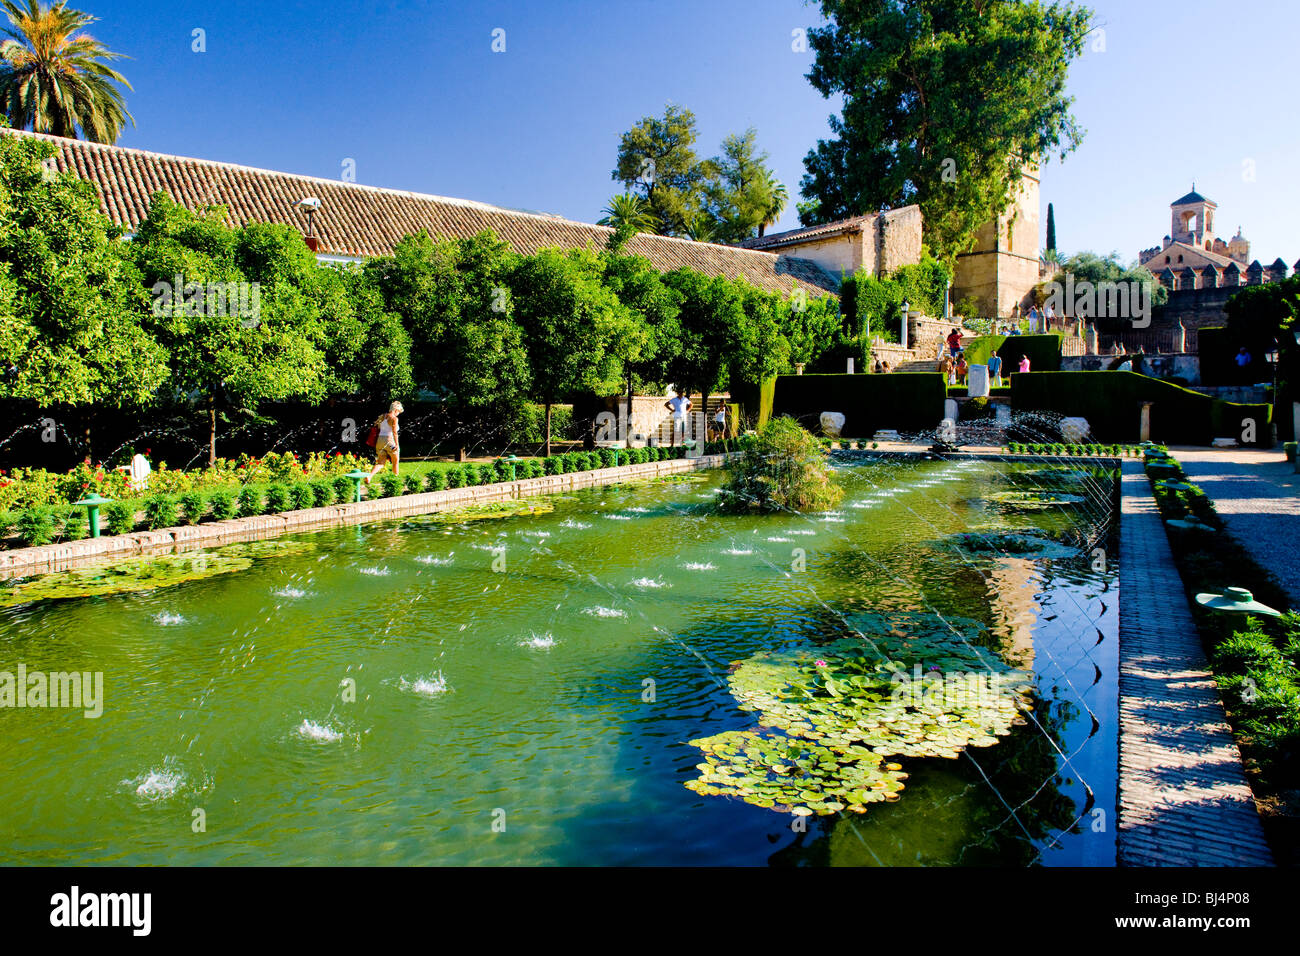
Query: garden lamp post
[[357, 477], [1235, 601], [92, 503], [907, 307]]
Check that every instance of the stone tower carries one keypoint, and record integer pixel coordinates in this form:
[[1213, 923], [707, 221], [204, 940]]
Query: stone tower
[[1192, 220], [1002, 269]]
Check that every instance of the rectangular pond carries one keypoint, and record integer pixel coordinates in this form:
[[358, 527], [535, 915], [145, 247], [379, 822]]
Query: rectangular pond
[[628, 678]]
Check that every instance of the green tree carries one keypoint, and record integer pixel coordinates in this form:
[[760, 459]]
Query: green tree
[[657, 161], [454, 299], [1051, 228], [646, 351], [574, 326], [710, 308], [741, 195], [55, 79], [71, 305], [944, 102], [224, 355]]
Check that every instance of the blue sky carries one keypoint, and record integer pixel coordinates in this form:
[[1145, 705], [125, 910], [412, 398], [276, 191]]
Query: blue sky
[[413, 93]]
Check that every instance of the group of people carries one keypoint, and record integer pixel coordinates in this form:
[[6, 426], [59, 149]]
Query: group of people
[[953, 365]]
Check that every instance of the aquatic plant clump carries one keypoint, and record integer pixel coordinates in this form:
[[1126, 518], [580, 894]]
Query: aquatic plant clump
[[830, 714], [121, 578], [782, 469], [1007, 542], [142, 574], [1034, 500]]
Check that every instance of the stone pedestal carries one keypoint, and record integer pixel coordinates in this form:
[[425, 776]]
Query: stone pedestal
[[977, 380], [1144, 430], [1003, 414], [950, 409]]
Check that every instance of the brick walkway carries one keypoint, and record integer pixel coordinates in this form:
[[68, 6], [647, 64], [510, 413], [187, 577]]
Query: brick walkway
[[1183, 796], [1258, 495]]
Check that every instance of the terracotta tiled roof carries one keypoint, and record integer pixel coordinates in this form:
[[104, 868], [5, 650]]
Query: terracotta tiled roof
[[363, 221], [854, 224]]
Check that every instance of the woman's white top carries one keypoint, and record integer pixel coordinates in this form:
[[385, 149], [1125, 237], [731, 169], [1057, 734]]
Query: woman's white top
[[385, 431]]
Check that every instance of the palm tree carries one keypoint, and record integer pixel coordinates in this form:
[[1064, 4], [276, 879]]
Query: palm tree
[[56, 80], [775, 206], [628, 212], [701, 227]]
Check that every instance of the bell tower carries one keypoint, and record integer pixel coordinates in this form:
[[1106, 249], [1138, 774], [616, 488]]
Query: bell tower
[[1192, 220]]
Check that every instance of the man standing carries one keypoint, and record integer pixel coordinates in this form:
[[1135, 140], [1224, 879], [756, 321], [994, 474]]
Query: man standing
[[995, 369], [680, 406]]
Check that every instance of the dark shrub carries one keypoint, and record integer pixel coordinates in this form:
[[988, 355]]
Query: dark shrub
[[412, 484], [7, 521], [301, 496], [222, 502], [503, 469], [435, 480], [469, 475], [277, 498], [119, 517], [322, 492], [345, 489], [486, 475], [534, 466], [250, 503], [192, 507], [554, 465], [455, 478], [36, 526], [76, 524], [389, 485], [159, 511]]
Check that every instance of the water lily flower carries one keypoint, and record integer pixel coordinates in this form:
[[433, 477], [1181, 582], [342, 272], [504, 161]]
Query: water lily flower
[[821, 664]]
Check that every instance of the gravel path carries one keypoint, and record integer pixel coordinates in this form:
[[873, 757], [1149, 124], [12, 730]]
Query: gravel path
[[1258, 495]]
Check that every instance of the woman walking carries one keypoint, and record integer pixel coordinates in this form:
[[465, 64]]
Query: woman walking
[[386, 440]]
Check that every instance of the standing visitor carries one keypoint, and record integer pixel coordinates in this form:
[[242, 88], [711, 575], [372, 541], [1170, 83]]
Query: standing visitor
[[1033, 318], [945, 368], [720, 422], [954, 342], [384, 432], [961, 369], [1024, 363], [995, 369], [680, 406]]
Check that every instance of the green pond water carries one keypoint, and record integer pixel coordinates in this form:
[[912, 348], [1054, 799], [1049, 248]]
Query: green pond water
[[526, 688]]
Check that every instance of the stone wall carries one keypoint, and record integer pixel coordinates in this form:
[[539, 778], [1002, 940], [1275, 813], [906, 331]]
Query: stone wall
[[20, 562]]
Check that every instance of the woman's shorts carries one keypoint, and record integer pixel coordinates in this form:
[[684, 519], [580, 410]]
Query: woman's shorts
[[385, 451]]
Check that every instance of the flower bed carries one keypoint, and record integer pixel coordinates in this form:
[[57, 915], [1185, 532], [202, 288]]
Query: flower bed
[[247, 487]]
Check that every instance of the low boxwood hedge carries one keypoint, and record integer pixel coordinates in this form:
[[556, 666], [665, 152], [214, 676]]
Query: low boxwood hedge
[[1112, 404], [907, 401]]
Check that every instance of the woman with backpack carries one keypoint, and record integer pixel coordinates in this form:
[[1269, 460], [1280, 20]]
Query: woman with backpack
[[383, 436]]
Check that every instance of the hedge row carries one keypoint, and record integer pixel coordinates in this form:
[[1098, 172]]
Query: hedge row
[[1112, 404], [1044, 351], [42, 525], [906, 401]]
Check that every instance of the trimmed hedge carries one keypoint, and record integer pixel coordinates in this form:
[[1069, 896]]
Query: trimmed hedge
[[1044, 351], [907, 401], [1112, 404]]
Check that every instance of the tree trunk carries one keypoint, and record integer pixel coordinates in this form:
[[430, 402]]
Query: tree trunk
[[90, 418], [212, 432], [627, 425], [547, 451]]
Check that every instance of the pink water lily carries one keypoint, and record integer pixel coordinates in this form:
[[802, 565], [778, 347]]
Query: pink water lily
[[821, 663]]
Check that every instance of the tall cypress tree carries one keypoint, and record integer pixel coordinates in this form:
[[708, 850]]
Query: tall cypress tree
[[1051, 229]]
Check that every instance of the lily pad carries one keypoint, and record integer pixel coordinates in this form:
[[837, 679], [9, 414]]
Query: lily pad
[[140, 574], [906, 685]]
